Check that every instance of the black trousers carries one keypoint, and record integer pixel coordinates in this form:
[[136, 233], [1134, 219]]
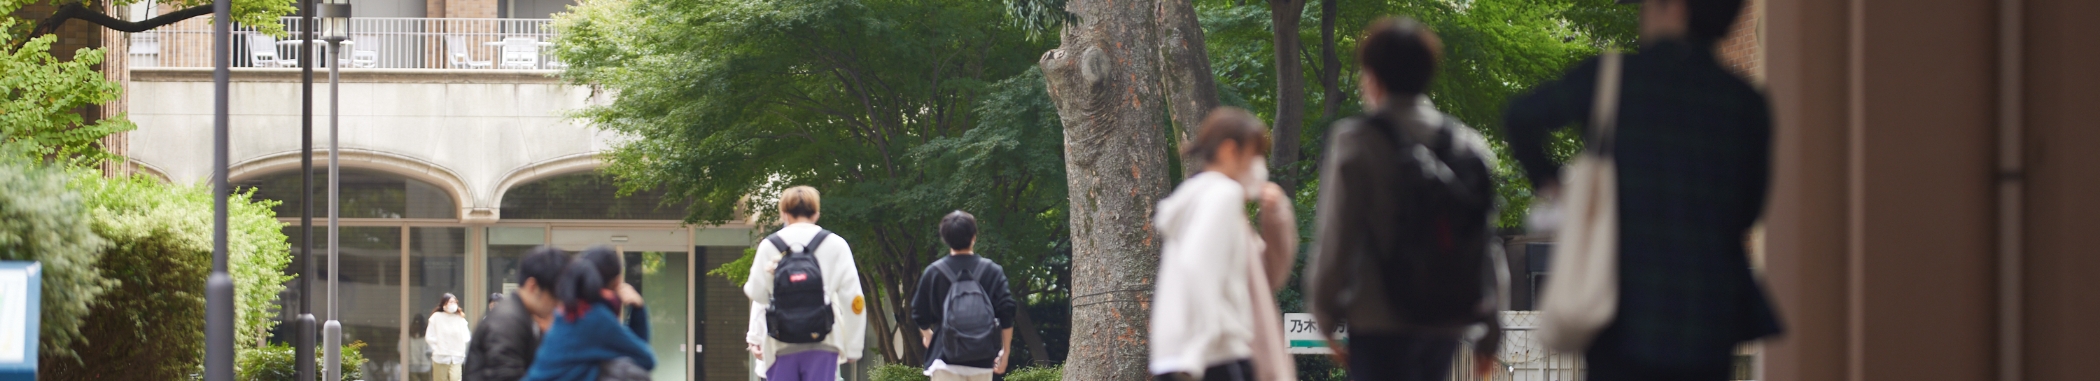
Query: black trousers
[[1400, 357], [1605, 366], [1242, 370]]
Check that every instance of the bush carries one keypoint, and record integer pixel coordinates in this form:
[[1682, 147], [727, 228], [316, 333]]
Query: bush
[[41, 220], [274, 363], [151, 324], [897, 372], [1034, 373]]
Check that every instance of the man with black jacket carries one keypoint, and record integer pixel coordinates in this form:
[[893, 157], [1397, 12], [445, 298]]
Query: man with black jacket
[[959, 231], [503, 345]]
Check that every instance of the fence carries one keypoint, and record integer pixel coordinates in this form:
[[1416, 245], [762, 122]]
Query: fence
[[1523, 356], [375, 42]]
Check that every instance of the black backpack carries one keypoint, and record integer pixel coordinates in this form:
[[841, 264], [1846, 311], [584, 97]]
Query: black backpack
[[800, 311], [1438, 273], [969, 330]]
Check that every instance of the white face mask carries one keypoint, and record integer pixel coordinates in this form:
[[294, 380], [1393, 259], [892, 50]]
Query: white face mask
[[1257, 176], [452, 308]]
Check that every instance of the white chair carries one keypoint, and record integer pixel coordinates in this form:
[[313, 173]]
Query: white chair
[[456, 53], [521, 53], [364, 51], [262, 52]]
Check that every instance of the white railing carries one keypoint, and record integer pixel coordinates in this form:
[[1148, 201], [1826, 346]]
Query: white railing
[[375, 42]]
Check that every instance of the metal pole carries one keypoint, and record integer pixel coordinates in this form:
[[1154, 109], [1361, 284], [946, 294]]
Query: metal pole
[[304, 360], [332, 332], [218, 288]]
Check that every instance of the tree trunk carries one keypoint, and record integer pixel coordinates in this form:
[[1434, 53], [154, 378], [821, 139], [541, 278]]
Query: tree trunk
[[1038, 352], [1290, 90], [1104, 78], [1330, 64], [1192, 90]]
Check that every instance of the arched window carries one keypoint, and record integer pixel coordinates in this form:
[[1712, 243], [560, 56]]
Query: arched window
[[364, 194], [586, 196]]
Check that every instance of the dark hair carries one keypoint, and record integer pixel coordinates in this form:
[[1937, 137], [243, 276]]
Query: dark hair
[[448, 298], [1707, 21], [586, 279], [958, 229], [543, 264], [495, 297], [1401, 53], [1225, 124]]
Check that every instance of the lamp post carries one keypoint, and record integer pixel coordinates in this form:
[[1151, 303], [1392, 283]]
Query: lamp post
[[335, 22], [218, 287], [303, 356]]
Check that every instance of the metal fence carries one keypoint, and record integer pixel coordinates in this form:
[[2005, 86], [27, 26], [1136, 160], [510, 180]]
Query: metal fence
[[375, 42], [1523, 356]]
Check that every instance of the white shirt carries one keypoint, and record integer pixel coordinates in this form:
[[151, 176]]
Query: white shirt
[[448, 336], [847, 337], [1201, 310]]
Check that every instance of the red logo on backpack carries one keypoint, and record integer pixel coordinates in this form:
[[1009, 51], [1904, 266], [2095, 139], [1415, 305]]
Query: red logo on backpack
[[798, 277]]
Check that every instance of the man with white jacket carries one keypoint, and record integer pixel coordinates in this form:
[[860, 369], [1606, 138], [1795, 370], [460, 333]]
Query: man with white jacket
[[817, 361]]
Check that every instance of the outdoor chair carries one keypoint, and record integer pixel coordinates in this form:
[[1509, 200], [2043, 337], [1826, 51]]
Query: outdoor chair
[[521, 53], [364, 51], [262, 52], [456, 53]]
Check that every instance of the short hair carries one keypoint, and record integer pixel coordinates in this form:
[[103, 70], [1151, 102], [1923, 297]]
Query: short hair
[[543, 265], [800, 201], [1225, 124], [958, 229], [1707, 21], [1401, 53]]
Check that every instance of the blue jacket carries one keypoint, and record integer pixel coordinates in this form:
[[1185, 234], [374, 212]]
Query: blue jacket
[[573, 349]]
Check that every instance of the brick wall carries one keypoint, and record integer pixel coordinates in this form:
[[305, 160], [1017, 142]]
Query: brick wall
[[1743, 49], [468, 9]]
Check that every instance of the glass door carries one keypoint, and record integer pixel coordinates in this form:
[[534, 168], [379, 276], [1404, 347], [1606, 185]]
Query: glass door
[[659, 267]]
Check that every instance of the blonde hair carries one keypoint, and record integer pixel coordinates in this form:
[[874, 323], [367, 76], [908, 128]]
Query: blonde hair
[[799, 201]]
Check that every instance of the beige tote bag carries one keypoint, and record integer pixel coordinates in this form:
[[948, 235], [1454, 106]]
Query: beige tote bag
[[1582, 293]]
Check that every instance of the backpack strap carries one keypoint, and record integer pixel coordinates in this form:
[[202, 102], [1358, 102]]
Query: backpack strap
[[780, 244], [811, 247]]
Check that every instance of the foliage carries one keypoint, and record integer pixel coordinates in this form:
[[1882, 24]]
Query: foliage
[[42, 220], [40, 99], [274, 363], [1050, 373], [897, 372], [1494, 49], [863, 100]]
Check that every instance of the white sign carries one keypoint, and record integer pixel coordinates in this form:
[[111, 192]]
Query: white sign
[[14, 311], [1303, 335]]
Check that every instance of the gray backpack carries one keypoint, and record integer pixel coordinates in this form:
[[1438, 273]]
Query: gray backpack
[[969, 330]]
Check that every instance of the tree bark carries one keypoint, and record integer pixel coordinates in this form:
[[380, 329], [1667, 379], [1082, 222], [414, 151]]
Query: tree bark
[[81, 11], [1192, 90], [1290, 90], [1330, 64], [1104, 78]]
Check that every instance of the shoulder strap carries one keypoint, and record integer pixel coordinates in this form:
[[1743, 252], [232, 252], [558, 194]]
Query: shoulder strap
[[815, 241], [780, 244], [1604, 110]]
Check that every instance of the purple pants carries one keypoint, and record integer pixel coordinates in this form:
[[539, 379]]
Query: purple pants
[[805, 366]]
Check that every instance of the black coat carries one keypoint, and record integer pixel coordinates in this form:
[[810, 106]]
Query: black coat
[[504, 343]]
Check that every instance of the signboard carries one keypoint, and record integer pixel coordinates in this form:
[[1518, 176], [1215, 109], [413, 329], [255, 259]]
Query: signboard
[[21, 292], [1303, 335]]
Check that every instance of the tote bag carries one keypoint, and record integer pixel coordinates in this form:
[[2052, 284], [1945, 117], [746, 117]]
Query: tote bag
[[1582, 294]]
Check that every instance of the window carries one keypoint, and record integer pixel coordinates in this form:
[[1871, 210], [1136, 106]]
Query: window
[[364, 194], [586, 196]]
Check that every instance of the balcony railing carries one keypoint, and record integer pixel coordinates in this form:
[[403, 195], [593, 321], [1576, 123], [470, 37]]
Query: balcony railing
[[375, 42]]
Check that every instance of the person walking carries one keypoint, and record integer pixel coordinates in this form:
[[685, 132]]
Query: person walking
[[963, 309], [1214, 270], [806, 279], [1405, 255], [587, 341], [503, 346], [1691, 143], [494, 298], [447, 335]]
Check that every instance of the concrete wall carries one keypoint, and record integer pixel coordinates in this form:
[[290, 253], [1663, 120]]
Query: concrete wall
[[474, 132], [1886, 235]]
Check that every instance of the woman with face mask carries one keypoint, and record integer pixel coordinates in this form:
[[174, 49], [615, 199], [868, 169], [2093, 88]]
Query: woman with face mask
[[447, 336], [1214, 316]]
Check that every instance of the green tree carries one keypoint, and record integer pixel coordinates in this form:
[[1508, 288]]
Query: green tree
[[878, 104], [42, 220]]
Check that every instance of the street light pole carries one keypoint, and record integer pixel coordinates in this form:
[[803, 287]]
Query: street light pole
[[303, 356], [337, 15], [218, 287]]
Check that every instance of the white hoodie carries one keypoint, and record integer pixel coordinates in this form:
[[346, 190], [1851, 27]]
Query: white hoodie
[[848, 330], [1201, 306]]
